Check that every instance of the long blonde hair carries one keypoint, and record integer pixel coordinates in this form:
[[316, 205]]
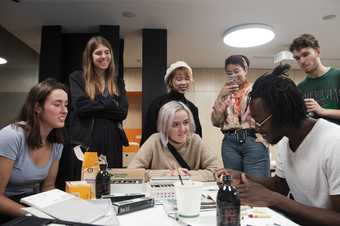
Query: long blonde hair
[[92, 80]]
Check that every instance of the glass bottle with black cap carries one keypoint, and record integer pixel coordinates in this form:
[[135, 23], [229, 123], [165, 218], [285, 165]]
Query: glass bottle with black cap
[[103, 181], [228, 204]]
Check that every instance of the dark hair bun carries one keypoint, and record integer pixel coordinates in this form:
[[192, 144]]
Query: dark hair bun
[[281, 69]]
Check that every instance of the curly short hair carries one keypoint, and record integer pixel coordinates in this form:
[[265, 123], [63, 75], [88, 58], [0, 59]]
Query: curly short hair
[[304, 41]]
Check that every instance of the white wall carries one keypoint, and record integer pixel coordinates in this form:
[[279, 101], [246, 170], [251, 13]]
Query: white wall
[[16, 77], [133, 82]]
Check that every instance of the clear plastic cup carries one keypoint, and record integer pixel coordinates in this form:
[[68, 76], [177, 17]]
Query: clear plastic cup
[[188, 198]]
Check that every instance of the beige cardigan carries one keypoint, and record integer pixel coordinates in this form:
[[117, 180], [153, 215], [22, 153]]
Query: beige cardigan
[[154, 156]]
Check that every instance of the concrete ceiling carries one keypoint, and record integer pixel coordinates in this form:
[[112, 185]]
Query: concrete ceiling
[[195, 27]]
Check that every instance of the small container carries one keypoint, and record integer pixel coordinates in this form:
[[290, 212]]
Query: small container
[[103, 181], [228, 204], [79, 188]]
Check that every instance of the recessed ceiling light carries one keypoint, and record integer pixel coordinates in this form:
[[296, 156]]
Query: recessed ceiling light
[[248, 35], [3, 60], [329, 17], [128, 14]]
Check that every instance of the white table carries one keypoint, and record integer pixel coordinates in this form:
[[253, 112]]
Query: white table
[[156, 216]]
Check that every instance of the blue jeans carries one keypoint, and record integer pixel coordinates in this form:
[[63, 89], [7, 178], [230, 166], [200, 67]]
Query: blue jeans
[[250, 157]]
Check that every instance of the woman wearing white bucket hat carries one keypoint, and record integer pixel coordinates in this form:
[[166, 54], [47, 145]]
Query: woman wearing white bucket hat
[[178, 78]]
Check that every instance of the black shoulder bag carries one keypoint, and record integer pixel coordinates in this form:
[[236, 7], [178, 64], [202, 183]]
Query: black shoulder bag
[[178, 157]]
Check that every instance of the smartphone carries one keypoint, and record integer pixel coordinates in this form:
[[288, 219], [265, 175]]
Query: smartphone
[[232, 79]]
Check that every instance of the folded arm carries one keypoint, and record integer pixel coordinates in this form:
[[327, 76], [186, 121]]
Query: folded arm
[[101, 107]]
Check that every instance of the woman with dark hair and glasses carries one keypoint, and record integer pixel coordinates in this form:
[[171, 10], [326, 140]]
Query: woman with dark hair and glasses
[[241, 149], [31, 147]]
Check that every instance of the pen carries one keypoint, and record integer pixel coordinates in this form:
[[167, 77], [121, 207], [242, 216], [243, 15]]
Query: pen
[[259, 215], [180, 178]]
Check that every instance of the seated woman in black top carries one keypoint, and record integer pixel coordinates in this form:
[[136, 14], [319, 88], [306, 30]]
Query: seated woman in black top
[[177, 78]]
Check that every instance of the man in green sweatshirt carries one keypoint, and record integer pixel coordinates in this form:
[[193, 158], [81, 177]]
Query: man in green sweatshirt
[[321, 87]]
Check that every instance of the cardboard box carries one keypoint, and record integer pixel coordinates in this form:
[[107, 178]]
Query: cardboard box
[[122, 175], [81, 189]]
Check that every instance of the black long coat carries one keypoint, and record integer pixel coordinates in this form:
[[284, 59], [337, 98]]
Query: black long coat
[[98, 123]]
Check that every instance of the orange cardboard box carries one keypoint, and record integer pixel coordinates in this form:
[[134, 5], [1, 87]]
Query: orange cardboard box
[[82, 189]]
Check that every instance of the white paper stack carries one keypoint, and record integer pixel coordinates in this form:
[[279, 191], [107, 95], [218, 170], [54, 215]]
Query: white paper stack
[[64, 206]]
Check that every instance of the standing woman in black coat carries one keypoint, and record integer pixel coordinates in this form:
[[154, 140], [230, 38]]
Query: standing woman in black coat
[[98, 103], [178, 78]]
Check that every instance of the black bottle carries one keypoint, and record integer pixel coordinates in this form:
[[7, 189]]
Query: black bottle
[[228, 204], [103, 182]]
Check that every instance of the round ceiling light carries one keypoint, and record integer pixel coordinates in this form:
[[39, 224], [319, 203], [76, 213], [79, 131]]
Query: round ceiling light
[[248, 35], [3, 60]]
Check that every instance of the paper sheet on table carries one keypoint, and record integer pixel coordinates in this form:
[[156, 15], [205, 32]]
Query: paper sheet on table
[[274, 219], [151, 217], [211, 192], [36, 212], [263, 216], [110, 218]]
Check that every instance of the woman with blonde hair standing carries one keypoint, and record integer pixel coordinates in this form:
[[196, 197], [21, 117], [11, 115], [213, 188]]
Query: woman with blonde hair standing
[[241, 148], [99, 104]]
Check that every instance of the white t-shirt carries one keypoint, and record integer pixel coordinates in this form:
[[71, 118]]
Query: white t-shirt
[[313, 170]]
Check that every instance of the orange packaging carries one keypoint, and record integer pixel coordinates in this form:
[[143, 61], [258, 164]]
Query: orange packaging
[[90, 166], [81, 189]]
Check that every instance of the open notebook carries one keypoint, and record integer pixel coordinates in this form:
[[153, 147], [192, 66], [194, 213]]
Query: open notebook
[[64, 206]]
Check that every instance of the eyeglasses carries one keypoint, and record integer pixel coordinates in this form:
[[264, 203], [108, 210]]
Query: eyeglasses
[[260, 124]]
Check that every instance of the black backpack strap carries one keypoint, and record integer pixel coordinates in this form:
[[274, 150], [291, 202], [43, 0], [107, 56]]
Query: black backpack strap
[[178, 157]]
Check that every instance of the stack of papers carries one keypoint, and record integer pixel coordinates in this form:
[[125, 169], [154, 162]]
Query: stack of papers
[[64, 206]]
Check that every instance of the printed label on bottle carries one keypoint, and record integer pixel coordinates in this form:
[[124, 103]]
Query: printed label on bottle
[[228, 214]]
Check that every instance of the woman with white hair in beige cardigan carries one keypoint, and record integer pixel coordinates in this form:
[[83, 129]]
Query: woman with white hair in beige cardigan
[[176, 135]]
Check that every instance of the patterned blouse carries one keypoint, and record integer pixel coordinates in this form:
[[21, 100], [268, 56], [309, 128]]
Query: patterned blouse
[[230, 110]]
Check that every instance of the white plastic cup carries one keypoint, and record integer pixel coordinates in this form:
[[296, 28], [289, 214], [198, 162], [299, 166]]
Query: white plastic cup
[[188, 198]]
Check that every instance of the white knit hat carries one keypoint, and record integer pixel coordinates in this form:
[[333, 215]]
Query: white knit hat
[[175, 66]]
